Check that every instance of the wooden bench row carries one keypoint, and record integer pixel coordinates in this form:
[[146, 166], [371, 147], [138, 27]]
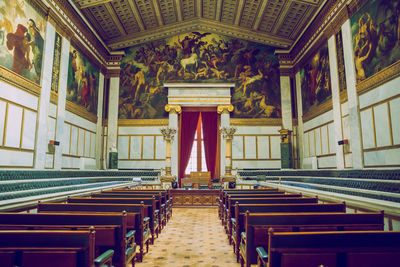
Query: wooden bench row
[[120, 224]]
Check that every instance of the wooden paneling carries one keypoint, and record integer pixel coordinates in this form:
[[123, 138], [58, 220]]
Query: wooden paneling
[[193, 197]]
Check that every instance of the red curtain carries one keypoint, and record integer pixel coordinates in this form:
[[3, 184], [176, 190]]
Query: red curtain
[[210, 134], [188, 127]]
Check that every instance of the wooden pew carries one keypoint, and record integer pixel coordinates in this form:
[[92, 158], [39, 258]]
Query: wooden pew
[[153, 213], [138, 220], [347, 249], [233, 209], [251, 199], [226, 192], [165, 193], [257, 225], [50, 248], [238, 224], [160, 199], [111, 229]]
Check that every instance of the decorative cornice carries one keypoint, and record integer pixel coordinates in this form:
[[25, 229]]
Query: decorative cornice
[[224, 109], [147, 122], [379, 78], [173, 109], [80, 111], [198, 24], [14, 79], [256, 122], [314, 112]]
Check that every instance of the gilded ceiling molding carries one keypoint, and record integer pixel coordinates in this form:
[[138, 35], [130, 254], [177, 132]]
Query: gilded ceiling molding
[[224, 109], [142, 122], [256, 122], [174, 109], [83, 33], [196, 25]]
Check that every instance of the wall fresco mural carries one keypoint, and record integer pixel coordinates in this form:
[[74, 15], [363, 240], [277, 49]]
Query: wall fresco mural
[[22, 31], [83, 81], [376, 36], [200, 57], [315, 80]]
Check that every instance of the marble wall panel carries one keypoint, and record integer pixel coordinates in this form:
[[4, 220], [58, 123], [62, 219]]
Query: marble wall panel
[[367, 129], [29, 132], [312, 143], [327, 162], [250, 147], [142, 164], [81, 141], [275, 147], [18, 96], [74, 141], [160, 147], [318, 143], [87, 144], [52, 110], [14, 125], [123, 147], [136, 147], [67, 139], [148, 149], [324, 139], [382, 157], [379, 94], [306, 144], [93, 145], [10, 158], [332, 141], [263, 147], [394, 112], [237, 147], [48, 163], [382, 128]]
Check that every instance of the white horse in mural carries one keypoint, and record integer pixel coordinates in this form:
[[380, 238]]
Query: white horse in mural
[[190, 61]]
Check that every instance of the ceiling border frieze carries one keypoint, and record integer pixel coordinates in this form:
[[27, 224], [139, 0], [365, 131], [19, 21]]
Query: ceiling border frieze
[[198, 24]]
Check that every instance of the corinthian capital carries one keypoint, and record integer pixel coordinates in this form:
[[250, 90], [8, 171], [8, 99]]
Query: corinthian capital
[[173, 109], [223, 109]]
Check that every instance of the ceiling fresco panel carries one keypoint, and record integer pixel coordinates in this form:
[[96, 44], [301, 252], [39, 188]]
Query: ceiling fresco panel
[[251, 8], [124, 13]]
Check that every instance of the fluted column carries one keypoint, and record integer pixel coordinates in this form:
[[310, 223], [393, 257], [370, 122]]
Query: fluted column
[[224, 110], [173, 111]]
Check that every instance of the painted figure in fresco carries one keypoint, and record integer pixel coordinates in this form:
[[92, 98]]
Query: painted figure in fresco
[[201, 57], [19, 42], [360, 60], [85, 91], [36, 44]]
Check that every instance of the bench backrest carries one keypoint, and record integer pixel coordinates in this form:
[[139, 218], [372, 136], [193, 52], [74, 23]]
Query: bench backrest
[[62, 248], [257, 225], [349, 249]]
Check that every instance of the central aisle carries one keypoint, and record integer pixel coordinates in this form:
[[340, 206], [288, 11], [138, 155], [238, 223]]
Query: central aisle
[[193, 237]]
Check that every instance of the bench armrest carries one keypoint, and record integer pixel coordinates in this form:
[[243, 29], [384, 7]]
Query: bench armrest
[[262, 254], [243, 235], [104, 259], [146, 219], [130, 234]]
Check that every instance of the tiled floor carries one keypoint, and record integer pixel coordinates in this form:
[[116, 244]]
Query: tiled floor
[[193, 237]]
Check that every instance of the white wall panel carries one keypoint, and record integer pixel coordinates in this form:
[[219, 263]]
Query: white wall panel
[[74, 141], [394, 112], [81, 141], [346, 129], [3, 106], [275, 147], [123, 147], [367, 129], [29, 132], [312, 143], [51, 128], [318, 148], [306, 145], [345, 108], [263, 147], [132, 130], [93, 145], [327, 162], [11, 158], [332, 141], [48, 164], [52, 110], [136, 147], [18, 96], [257, 130], [148, 149], [250, 147], [71, 162], [160, 147], [382, 125], [324, 138], [317, 121], [79, 121], [87, 144], [348, 160], [142, 164], [382, 157], [14, 124], [237, 147], [256, 164], [67, 135], [381, 93]]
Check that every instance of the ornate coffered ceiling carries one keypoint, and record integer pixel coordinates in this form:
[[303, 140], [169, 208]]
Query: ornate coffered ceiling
[[123, 23]]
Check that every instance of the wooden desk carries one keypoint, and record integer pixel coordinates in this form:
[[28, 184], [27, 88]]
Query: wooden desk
[[194, 197], [200, 178]]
